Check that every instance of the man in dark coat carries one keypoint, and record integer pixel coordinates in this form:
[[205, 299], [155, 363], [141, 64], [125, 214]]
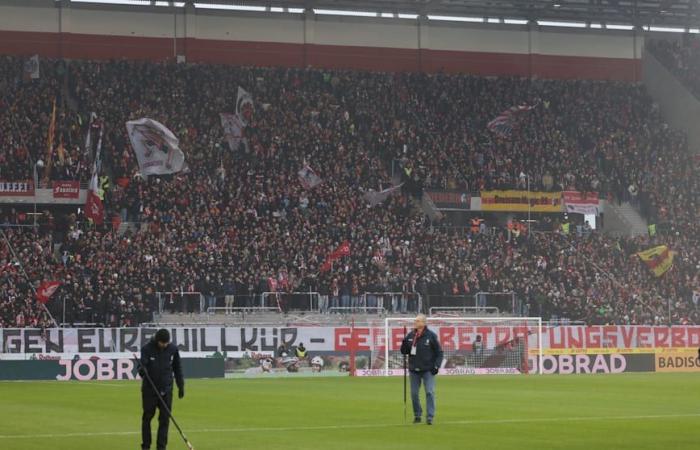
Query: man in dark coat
[[161, 360], [424, 361]]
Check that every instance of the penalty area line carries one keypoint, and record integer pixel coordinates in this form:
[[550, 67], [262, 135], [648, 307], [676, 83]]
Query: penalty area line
[[363, 426]]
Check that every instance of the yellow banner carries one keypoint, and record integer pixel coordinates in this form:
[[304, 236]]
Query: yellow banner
[[659, 259], [682, 360], [517, 201]]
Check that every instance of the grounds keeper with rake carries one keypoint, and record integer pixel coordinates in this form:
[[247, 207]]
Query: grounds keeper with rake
[[424, 361], [160, 360]]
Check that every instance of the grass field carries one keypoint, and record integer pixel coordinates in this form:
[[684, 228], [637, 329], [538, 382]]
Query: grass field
[[630, 411]]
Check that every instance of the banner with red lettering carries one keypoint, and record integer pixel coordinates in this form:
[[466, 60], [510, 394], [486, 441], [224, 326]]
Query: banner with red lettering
[[451, 200], [555, 340], [255, 350], [581, 202]]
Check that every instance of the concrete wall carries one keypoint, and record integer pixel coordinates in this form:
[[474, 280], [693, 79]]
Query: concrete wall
[[299, 40], [678, 105], [45, 197]]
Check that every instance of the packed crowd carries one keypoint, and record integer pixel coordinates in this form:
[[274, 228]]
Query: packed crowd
[[26, 110], [240, 223], [682, 58]]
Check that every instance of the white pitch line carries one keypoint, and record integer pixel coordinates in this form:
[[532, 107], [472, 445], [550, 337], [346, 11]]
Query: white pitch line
[[363, 426]]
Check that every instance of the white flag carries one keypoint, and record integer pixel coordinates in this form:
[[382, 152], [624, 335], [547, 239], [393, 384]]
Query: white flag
[[233, 130], [374, 198], [244, 106], [157, 149], [308, 178], [31, 67]]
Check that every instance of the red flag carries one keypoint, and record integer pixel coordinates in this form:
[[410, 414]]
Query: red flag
[[116, 222], [342, 250], [326, 266], [93, 206], [46, 290], [94, 210]]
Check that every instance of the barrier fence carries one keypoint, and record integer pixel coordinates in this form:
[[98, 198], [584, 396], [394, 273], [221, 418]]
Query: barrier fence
[[252, 350], [176, 302], [505, 302]]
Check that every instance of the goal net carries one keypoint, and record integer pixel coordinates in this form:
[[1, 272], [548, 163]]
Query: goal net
[[471, 345]]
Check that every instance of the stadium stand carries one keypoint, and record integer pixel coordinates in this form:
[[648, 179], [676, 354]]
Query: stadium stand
[[682, 58], [240, 221]]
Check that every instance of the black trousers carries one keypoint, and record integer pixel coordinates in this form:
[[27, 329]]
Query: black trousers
[[150, 403]]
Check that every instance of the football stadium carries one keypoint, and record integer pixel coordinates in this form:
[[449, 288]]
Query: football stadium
[[349, 224]]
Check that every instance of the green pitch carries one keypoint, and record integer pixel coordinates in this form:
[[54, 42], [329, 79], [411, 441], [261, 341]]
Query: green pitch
[[630, 411]]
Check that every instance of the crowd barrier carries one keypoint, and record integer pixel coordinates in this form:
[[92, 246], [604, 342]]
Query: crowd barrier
[[218, 351]]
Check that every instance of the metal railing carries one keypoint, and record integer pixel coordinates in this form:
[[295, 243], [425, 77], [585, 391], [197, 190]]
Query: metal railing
[[506, 302], [239, 309], [397, 301], [81, 325], [312, 301], [352, 309], [463, 310], [48, 184], [435, 301], [290, 301], [180, 301], [563, 322]]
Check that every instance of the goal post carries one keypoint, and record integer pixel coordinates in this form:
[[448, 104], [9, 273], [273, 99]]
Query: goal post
[[471, 345]]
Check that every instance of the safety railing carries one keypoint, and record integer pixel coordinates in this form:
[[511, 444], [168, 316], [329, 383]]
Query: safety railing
[[180, 302], [350, 310], [396, 302], [290, 301], [177, 302], [506, 302], [239, 309], [373, 302], [463, 310], [81, 325], [440, 301]]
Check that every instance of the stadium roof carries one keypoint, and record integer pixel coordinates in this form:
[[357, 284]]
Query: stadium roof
[[676, 15]]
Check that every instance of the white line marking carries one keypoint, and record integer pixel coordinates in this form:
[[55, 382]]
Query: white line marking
[[362, 426]]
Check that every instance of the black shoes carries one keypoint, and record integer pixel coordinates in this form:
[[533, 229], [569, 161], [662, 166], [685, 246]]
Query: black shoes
[[429, 421], [416, 420]]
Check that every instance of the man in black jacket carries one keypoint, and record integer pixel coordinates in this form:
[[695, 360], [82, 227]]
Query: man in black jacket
[[424, 361], [161, 359]]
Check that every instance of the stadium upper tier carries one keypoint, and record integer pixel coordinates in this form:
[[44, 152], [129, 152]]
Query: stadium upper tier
[[236, 220], [682, 58]]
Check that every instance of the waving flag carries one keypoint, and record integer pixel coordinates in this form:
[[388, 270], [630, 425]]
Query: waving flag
[[503, 124], [373, 198], [659, 259], [308, 178], [233, 130], [31, 68], [156, 147], [94, 209], [46, 290], [342, 250], [49, 142], [244, 106]]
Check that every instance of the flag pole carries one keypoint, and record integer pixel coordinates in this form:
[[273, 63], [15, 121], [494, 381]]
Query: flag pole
[[29, 281], [405, 373]]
